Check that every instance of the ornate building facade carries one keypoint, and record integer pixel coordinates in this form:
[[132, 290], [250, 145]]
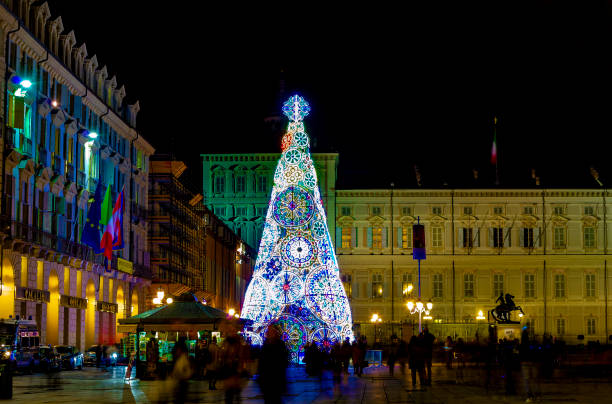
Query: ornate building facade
[[66, 127], [548, 248]]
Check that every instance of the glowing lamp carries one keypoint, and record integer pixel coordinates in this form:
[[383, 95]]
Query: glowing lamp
[[92, 135], [419, 305], [169, 300], [410, 305], [521, 315], [236, 315], [480, 315], [231, 312], [157, 300], [25, 83], [428, 317], [54, 104], [429, 305], [374, 317], [160, 294]]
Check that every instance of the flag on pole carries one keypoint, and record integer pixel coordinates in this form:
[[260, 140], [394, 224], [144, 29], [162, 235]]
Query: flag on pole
[[93, 227], [112, 239], [494, 147]]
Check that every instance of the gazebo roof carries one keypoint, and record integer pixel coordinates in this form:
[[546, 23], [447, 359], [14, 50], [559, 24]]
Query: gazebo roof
[[185, 313]]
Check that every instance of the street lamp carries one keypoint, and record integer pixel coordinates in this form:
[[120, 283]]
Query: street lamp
[[422, 308], [375, 319], [231, 312], [480, 315]]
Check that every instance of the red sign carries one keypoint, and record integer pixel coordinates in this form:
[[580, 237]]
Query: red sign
[[418, 242]]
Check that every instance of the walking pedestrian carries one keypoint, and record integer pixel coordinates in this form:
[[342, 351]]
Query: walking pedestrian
[[232, 363], [346, 355], [213, 364], [402, 356], [428, 341], [356, 356], [448, 349], [392, 354], [273, 364], [416, 360]]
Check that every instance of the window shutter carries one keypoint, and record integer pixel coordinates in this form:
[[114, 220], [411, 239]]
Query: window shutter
[[385, 234], [491, 244], [353, 237], [386, 289], [399, 237], [477, 238], [338, 237], [507, 238], [19, 113], [369, 237], [460, 237], [522, 237]]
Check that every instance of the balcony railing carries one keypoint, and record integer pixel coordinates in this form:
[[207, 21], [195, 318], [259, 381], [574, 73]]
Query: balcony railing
[[41, 238]]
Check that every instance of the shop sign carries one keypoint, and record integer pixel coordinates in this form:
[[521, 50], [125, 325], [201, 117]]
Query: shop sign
[[125, 266], [71, 301], [35, 295], [108, 307]]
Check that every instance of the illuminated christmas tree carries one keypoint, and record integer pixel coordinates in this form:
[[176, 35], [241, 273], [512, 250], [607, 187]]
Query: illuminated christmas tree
[[296, 283]]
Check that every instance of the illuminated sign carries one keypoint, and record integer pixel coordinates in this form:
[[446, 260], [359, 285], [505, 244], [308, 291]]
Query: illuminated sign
[[34, 295], [71, 301], [107, 307], [125, 266]]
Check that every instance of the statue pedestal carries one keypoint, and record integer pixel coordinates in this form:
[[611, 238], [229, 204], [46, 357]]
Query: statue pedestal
[[508, 331]]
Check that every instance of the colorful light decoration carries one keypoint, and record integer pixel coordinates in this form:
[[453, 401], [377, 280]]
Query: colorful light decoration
[[296, 283]]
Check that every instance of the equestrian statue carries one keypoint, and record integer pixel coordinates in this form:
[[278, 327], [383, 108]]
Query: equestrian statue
[[501, 312]]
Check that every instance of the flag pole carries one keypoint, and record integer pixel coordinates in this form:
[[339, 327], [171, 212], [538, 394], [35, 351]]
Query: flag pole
[[494, 152]]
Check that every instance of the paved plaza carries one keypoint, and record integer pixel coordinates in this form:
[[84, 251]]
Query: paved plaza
[[376, 386]]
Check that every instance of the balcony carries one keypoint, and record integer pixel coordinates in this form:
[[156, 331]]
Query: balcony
[[50, 241]]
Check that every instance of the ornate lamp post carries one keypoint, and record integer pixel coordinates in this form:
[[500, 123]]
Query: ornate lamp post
[[419, 307], [375, 319]]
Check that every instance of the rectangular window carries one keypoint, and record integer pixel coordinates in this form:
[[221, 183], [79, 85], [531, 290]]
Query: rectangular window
[[406, 211], [376, 211], [436, 236], [528, 237], [347, 282], [220, 211], [347, 233], [498, 237], [219, 184], [377, 237], [260, 211], [559, 285], [560, 326], [241, 211], [589, 211], [468, 285], [589, 237], [241, 184], [407, 237], [468, 237], [559, 237], [558, 210], [436, 210], [590, 326], [528, 210], [377, 286], [529, 285], [498, 210], [345, 211], [407, 285], [498, 284], [467, 210], [437, 285], [590, 285], [262, 183]]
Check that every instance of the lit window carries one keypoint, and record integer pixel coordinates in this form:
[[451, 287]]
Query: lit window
[[559, 285], [559, 237], [529, 285], [467, 210], [468, 285], [589, 211], [347, 235], [560, 326], [407, 285], [589, 237], [407, 237], [590, 285], [436, 236], [498, 284], [347, 282], [590, 326], [377, 238], [437, 285], [377, 286]]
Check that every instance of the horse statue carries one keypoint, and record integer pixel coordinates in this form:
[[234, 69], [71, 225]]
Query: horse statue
[[501, 313]]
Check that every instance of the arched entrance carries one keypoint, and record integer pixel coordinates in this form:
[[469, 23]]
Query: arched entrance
[[52, 336], [7, 283], [120, 310], [90, 314], [134, 305]]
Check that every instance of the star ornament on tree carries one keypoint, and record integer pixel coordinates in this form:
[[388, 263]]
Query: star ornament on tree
[[296, 108]]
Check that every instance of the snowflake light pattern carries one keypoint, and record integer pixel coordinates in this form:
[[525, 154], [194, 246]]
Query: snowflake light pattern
[[296, 283]]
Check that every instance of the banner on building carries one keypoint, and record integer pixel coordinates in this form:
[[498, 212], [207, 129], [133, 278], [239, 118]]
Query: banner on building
[[125, 266], [418, 242]]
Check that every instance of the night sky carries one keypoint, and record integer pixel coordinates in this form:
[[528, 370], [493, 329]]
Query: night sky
[[389, 87]]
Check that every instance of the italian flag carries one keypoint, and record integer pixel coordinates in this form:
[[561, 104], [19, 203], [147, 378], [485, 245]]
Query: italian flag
[[112, 239]]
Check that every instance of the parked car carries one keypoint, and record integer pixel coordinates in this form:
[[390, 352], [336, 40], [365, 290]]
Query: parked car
[[109, 355], [49, 358], [70, 357]]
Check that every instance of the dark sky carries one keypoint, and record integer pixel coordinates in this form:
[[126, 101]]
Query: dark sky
[[389, 87]]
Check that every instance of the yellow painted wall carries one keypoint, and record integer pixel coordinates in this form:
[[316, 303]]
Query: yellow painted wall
[[66, 281], [79, 284], [7, 299], [39, 275], [24, 272], [134, 303], [53, 310], [90, 314]]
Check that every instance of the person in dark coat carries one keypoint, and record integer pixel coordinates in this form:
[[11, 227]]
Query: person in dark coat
[[428, 341], [417, 360], [273, 362]]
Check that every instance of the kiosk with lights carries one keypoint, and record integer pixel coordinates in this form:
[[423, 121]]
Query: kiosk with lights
[[296, 284]]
